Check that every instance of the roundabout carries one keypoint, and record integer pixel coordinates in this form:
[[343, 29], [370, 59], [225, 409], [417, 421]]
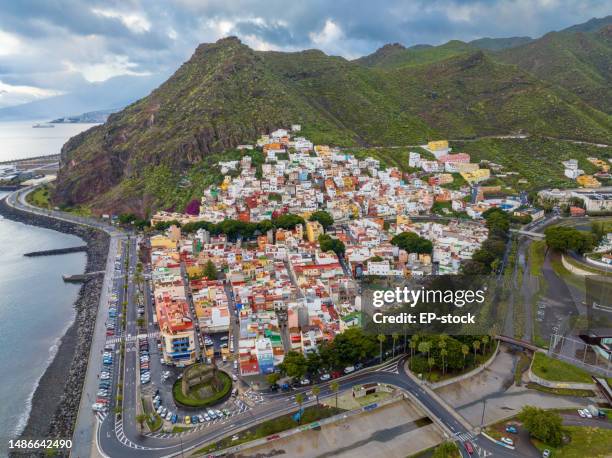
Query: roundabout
[[202, 386]]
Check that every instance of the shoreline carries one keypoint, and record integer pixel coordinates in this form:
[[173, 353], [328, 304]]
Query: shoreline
[[57, 394]]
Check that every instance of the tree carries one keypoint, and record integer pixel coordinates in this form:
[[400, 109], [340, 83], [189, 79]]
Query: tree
[[273, 378], [563, 238], [544, 425], [394, 337], [425, 347], [313, 362], [294, 365], [431, 363], [476, 345], [325, 219], [210, 271], [443, 354], [316, 391], [141, 418], [466, 351], [287, 221], [328, 243], [412, 243], [334, 387], [485, 341], [446, 450], [381, 339]]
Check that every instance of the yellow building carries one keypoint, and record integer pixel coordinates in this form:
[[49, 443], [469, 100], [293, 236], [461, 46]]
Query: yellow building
[[438, 145], [226, 182], [588, 181], [601, 165], [313, 230], [476, 176], [161, 241]]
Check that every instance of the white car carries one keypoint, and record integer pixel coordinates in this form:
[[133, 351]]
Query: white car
[[305, 382], [507, 440], [97, 407], [325, 377], [587, 413], [201, 418], [104, 376], [168, 415], [349, 369], [581, 413]]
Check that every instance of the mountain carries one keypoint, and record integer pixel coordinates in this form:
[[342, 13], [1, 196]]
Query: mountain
[[159, 152], [115, 92], [580, 62], [497, 44], [396, 55], [592, 25]]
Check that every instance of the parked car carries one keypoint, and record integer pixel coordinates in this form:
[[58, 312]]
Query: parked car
[[169, 416], [546, 453], [581, 413], [511, 429], [304, 381], [194, 419], [349, 369], [187, 420], [507, 440], [325, 377], [201, 418]]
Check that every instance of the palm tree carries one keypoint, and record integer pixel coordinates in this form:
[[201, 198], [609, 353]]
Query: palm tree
[[141, 418], [465, 350], [476, 345], [442, 347], [443, 353], [414, 340], [425, 347], [431, 362], [381, 338], [316, 391], [334, 387], [485, 341], [394, 336]]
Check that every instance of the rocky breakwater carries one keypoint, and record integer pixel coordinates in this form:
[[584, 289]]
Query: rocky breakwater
[[56, 401]]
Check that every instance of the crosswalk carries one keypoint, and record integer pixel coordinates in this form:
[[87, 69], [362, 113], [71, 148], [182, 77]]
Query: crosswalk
[[125, 441], [391, 367], [464, 436], [132, 338]]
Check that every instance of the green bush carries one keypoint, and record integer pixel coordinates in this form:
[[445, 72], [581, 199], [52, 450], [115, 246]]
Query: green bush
[[189, 401]]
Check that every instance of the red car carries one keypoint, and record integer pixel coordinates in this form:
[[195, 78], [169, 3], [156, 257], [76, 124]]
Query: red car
[[335, 374], [468, 447]]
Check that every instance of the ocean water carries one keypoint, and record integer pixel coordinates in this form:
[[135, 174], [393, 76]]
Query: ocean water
[[20, 140], [36, 306]]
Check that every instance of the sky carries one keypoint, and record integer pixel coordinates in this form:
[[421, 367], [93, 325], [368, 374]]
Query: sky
[[51, 47]]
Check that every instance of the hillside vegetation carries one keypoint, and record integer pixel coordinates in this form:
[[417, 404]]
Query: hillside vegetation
[[160, 151]]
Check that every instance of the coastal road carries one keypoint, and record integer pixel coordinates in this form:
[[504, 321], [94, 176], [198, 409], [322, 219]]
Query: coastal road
[[391, 373]]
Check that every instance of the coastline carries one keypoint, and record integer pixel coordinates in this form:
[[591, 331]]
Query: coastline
[[58, 392]]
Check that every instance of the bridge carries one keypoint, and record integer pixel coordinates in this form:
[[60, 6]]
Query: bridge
[[517, 342], [535, 235], [604, 387]]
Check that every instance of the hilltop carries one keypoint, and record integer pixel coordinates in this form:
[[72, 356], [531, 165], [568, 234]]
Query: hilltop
[[157, 152]]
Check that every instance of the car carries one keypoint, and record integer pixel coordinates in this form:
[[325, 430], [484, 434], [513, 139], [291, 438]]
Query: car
[[174, 418], [201, 418], [187, 420], [206, 417], [164, 411], [145, 381], [358, 366], [581, 413], [349, 369], [304, 381], [100, 400], [102, 392], [235, 392], [98, 407], [588, 413], [104, 376], [511, 429], [218, 413], [546, 453], [507, 440], [224, 338], [226, 412], [194, 419], [211, 414], [234, 377], [169, 416], [468, 447], [159, 409], [325, 377]]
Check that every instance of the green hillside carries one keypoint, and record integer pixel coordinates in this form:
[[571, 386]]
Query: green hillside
[[497, 44], [577, 61], [159, 151]]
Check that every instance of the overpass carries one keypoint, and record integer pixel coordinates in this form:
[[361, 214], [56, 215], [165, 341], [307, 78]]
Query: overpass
[[535, 235], [604, 387], [517, 342]]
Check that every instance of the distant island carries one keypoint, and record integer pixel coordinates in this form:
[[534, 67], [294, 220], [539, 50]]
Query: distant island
[[99, 116]]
